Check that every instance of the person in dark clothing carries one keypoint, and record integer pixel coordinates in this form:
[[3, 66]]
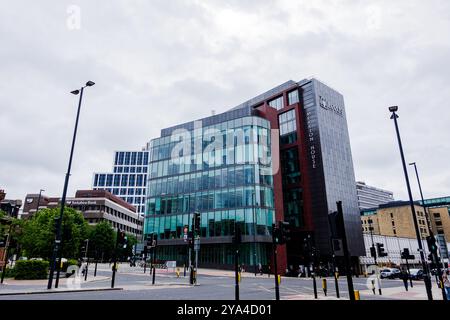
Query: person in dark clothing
[[404, 276]]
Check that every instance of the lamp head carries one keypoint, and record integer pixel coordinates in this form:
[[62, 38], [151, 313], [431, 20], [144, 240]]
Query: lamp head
[[75, 92], [90, 83], [393, 109], [412, 164]]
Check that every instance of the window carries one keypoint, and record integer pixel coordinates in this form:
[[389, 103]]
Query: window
[[287, 123], [293, 97], [101, 180], [277, 103]]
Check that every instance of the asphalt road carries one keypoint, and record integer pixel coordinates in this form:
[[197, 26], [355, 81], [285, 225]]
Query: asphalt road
[[138, 286]]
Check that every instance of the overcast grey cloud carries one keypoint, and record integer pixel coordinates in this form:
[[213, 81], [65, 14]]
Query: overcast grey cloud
[[158, 63]]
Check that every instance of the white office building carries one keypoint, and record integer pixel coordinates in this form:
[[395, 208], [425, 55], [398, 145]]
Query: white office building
[[371, 197], [128, 180]]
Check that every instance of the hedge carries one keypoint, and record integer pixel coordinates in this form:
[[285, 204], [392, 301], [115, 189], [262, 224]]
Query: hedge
[[10, 273], [31, 269]]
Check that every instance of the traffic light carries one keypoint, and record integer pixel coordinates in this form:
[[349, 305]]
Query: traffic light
[[196, 224], [237, 237], [122, 239], [432, 247], [285, 231], [373, 252], [380, 250]]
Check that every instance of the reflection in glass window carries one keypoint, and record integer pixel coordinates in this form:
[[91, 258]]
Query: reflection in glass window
[[287, 122], [277, 103], [293, 97]]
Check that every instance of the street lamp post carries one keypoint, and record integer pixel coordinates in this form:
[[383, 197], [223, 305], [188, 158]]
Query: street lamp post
[[430, 230], [57, 243], [426, 277]]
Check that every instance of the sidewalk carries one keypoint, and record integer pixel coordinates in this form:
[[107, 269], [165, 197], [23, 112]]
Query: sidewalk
[[418, 292], [15, 287]]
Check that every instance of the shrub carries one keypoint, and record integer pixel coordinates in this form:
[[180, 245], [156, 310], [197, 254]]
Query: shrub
[[31, 269], [10, 273]]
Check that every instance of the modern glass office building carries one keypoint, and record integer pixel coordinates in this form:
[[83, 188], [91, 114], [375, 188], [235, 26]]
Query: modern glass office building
[[128, 180], [220, 167], [281, 156]]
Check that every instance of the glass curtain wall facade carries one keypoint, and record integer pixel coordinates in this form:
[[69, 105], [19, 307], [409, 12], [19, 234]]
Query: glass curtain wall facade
[[222, 171]]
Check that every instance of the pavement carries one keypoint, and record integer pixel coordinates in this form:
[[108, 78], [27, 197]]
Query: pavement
[[131, 283]]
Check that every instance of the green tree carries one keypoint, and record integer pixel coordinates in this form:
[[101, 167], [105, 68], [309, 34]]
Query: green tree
[[101, 241], [38, 233]]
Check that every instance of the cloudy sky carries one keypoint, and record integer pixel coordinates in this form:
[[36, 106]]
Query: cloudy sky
[[157, 63]]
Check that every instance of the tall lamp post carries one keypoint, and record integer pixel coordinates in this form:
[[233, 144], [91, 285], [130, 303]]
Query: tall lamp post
[[57, 243], [426, 277], [430, 230]]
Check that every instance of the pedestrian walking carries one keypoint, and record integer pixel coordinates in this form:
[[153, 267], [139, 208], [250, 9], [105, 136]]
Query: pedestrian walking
[[260, 270], [404, 276], [446, 282]]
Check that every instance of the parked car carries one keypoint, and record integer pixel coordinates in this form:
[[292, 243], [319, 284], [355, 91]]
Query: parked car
[[416, 274], [390, 273]]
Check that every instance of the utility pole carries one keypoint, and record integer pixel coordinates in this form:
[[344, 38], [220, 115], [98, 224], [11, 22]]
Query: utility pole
[[430, 230], [115, 259], [275, 233], [373, 253]]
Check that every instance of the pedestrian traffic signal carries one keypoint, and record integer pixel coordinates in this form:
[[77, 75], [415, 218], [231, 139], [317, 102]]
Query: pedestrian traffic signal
[[380, 250]]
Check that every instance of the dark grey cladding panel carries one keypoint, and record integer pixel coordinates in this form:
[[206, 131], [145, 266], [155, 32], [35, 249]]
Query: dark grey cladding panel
[[330, 163]]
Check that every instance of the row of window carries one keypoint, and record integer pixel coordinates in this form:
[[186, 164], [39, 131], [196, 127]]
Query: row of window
[[229, 140], [214, 224], [128, 191], [248, 154], [220, 254], [121, 193], [125, 228], [222, 126], [211, 179], [120, 180], [134, 169], [278, 103], [131, 158], [212, 200]]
